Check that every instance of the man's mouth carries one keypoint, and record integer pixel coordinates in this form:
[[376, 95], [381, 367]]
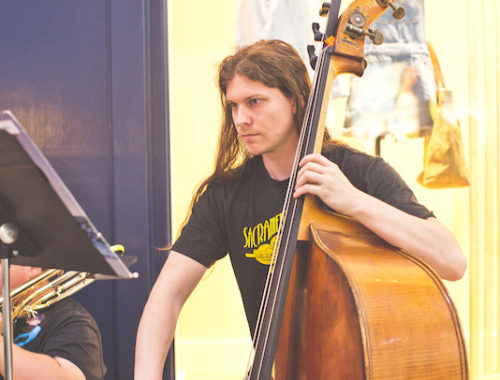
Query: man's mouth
[[248, 136]]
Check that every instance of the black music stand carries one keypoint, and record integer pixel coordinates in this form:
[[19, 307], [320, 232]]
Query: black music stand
[[41, 223]]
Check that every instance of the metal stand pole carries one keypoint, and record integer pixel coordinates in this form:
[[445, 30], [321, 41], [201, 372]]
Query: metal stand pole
[[8, 235]]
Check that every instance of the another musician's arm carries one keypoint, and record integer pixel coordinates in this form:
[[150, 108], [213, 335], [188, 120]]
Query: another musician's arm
[[178, 278], [426, 239], [32, 366]]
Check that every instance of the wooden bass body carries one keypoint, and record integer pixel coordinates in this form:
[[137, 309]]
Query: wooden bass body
[[358, 308]]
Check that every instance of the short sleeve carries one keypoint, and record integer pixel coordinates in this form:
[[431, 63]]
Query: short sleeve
[[203, 238], [376, 177], [67, 330], [383, 182], [83, 350]]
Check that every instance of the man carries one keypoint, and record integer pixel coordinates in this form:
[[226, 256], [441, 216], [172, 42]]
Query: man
[[61, 341], [264, 88]]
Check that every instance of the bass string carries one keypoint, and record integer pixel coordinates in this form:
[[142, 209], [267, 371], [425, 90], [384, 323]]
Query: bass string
[[269, 299]]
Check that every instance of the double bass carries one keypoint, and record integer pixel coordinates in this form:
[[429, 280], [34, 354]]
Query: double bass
[[340, 302]]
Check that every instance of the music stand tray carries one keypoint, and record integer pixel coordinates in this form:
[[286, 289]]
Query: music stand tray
[[54, 231]]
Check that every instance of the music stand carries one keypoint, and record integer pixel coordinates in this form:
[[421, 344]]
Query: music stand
[[41, 223]]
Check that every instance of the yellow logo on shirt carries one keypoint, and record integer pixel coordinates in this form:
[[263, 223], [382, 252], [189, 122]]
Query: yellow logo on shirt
[[262, 239]]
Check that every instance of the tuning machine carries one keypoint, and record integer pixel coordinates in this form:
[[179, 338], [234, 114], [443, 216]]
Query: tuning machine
[[355, 28], [398, 12], [311, 50], [313, 58], [318, 36], [325, 7]]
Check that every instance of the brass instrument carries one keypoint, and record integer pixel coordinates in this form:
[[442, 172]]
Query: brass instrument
[[50, 287]]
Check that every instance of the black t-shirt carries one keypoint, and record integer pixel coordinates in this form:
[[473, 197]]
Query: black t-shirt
[[241, 215], [66, 330]]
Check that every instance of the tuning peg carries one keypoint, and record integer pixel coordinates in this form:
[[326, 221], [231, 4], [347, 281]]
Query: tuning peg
[[313, 58], [375, 35], [399, 12], [325, 7], [318, 36], [356, 32]]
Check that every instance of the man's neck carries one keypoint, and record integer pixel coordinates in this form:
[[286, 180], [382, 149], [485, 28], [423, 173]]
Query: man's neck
[[280, 166]]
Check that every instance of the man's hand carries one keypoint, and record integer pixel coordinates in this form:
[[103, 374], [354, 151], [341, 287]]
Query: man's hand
[[320, 177]]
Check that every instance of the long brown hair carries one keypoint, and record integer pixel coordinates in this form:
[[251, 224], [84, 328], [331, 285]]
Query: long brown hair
[[274, 63]]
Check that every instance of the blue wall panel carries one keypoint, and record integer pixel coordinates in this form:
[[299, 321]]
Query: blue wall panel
[[87, 79]]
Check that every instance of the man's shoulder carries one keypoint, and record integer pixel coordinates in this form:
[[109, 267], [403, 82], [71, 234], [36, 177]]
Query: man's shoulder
[[358, 166], [243, 173], [70, 304], [338, 151], [69, 309]]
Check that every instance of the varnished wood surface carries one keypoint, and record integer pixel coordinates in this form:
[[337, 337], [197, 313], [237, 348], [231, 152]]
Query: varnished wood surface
[[359, 309]]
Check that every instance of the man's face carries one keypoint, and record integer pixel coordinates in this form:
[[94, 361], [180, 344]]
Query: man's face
[[263, 117], [20, 274]]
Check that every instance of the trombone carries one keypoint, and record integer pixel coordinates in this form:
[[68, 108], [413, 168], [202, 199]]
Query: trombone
[[49, 287]]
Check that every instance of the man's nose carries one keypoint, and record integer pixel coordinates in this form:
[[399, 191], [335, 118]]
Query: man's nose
[[241, 116]]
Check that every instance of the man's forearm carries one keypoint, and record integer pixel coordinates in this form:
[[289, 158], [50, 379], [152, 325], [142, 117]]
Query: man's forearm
[[32, 366]]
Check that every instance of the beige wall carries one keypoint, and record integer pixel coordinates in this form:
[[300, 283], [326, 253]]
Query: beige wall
[[212, 341]]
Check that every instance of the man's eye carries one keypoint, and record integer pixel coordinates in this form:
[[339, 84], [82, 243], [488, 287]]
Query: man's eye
[[254, 101]]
